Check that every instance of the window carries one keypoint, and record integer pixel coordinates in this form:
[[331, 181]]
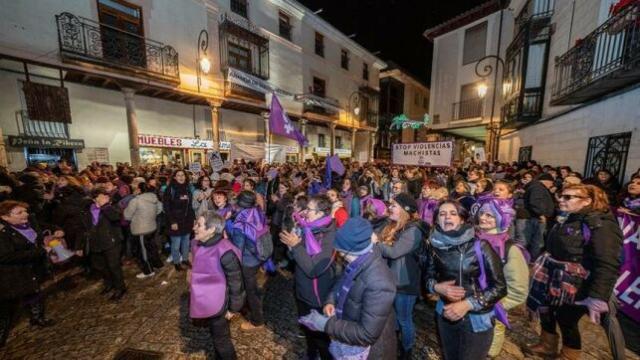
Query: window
[[524, 153], [123, 39], [365, 71], [344, 59], [239, 57], [319, 44], [319, 87], [608, 152], [338, 142], [240, 7], [284, 25], [321, 141], [475, 43]]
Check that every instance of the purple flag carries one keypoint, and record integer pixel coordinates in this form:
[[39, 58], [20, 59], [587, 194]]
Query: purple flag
[[335, 164], [280, 124]]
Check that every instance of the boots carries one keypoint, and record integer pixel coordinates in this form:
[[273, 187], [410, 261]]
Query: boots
[[548, 345], [568, 353], [37, 315]]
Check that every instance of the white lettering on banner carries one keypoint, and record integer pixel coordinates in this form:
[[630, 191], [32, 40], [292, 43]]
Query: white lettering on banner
[[240, 77], [430, 154], [175, 142]]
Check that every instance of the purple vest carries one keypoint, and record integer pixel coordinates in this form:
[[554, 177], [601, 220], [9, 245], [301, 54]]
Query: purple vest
[[208, 281]]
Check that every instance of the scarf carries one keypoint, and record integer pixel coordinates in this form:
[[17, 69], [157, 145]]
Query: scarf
[[95, 214], [632, 204], [426, 209], [249, 221], [363, 203], [312, 245], [347, 198], [223, 211], [347, 281], [496, 241], [444, 240], [27, 231]]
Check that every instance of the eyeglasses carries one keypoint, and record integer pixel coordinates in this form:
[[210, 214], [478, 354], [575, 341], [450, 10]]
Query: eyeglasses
[[569, 197]]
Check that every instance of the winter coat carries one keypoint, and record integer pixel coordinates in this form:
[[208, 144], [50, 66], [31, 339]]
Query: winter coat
[[458, 261], [107, 233], [538, 201], [402, 256], [600, 254], [178, 208], [368, 318], [70, 204], [142, 211], [22, 263], [414, 187], [315, 272], [276, 211]]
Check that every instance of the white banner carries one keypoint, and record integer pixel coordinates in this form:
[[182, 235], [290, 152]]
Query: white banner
[[241, 78], [430, 154], [249, 152]]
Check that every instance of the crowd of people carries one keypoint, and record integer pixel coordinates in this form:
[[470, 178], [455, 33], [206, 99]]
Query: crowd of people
[[365, 243]]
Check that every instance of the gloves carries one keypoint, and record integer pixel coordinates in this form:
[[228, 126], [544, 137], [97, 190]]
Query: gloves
[[314, 321], [596, 307]]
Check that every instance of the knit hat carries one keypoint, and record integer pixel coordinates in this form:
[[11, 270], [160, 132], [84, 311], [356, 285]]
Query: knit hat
[[545, 177], [354, 236], [407, 202], [246, 199]]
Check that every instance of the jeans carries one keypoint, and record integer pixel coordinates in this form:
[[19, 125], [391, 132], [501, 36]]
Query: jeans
[[459, 342], [317, 341], [179, 247], [221, 336], [403, 305], [254, 302], [530, 235]]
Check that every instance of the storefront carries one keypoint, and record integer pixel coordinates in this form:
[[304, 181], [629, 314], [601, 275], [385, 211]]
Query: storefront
[[158, 149], [47, 149], [323, 152]]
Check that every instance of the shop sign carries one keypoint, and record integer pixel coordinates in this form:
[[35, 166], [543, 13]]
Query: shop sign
[[225, 145], [45, 142], [326, 151], [174, 142], [432, 154]]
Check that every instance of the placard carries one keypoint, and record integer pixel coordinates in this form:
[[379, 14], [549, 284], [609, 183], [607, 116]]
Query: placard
[[430, 154], [215, 160], [97, 154]]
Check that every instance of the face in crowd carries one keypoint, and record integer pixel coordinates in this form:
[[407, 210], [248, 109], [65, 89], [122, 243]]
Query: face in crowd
[[448, 217]]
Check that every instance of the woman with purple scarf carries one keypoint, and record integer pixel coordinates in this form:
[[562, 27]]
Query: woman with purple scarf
[[627, 286], [248, 223], [23, 261], [493, 222], [312, 250], [432, 194]]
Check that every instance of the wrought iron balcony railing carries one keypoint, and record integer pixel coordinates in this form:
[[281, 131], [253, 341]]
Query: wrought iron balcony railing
[[86, 40], [534, 10], [604, 61], [242, 46], [523, 108], [467, 109]]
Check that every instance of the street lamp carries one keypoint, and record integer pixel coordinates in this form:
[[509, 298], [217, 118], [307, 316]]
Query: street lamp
[[484, 73], [482, 90], [203, 64]]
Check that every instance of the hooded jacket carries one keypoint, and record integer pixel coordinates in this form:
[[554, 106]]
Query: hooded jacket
[[142, 211]]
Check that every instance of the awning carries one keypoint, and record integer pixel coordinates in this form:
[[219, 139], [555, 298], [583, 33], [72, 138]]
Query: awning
[[477, 133]]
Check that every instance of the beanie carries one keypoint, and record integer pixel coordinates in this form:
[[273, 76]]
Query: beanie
[[354, 236], [407, 202]]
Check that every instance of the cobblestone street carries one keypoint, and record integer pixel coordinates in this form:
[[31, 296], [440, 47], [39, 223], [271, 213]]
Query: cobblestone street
[[154, 317]]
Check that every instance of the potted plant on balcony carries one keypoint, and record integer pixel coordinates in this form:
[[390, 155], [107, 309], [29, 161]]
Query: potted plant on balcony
[[623, 15]]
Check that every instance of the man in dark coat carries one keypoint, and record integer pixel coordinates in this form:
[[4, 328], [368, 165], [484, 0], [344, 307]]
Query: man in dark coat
[[22, 265], [538, 209]]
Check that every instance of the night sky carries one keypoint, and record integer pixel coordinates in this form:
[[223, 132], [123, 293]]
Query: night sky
[[393, 27]]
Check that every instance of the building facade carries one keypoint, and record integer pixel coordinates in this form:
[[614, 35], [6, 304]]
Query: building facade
[[400, 94], [139, 81]]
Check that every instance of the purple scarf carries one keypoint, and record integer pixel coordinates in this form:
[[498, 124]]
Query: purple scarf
[[223, 211], [497, 241], [347, 281], [347, 198], [27, 231], [363, 203], [95, 214], [249, 221], [312, 245], [426, 209], [630, 269]]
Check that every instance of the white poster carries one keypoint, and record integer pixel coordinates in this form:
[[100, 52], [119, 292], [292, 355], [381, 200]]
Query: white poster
[[248, 152], [430, 154], [277, 153], [478, 155], [215, 160]]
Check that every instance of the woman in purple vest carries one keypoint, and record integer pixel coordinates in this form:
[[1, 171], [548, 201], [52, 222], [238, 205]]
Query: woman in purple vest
[[215, 280]]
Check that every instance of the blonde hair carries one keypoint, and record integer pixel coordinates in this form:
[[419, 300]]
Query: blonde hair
[[599, 200], [389, 232]]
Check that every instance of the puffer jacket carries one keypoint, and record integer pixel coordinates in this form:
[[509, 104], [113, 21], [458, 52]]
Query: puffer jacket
[[402, 256], [368, 318], [453, 258], [142, 211], [600, 254]]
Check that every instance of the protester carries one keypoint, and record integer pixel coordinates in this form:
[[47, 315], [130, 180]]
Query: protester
[[465, 309], [432, 194], [537, 209], [275, 212], [338, 211], [585, 249], [202, 201], [350, 198], [178, 206]]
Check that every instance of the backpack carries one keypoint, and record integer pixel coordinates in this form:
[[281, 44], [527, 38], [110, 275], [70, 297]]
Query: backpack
[[264, 244]]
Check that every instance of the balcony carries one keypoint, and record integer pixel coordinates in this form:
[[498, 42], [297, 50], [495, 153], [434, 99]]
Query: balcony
[[467, 109], [243, 47], [87, 41], [523, 108], [534, 10], [606, 60]]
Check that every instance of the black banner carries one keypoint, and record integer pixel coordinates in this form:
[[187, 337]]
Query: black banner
[[45, 142]]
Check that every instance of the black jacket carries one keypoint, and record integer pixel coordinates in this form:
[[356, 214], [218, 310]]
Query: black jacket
[[460, 263], [22, 263], [277, 210], [177, 204], [600, 254], [414, 186], [368, 317], [235, 295], [402, 256], [537, 201], [106, 234], [70, 203], [318, 268]]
